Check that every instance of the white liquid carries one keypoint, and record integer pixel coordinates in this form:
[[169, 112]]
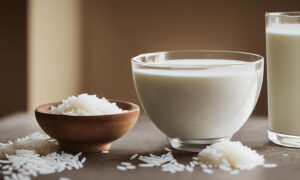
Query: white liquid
[[283, 58], [198, 104]]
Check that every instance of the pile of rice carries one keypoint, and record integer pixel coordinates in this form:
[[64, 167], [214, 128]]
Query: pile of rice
[[231, 156], [227, 156], [40, 143], [35, 154], [85, 105]]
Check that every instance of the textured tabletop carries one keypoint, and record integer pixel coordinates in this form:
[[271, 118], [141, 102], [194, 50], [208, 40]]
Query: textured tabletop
[[145, 138]]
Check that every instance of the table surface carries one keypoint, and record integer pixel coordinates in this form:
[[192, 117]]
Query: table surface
[[145, 138]]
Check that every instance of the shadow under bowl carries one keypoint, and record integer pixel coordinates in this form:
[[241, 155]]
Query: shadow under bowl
[[87, 133]]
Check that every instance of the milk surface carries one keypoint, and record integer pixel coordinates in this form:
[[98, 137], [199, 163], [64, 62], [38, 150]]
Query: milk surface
[[283, 62], [198, 104]]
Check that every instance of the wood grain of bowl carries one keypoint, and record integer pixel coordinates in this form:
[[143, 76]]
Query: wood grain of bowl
[[87, 133]]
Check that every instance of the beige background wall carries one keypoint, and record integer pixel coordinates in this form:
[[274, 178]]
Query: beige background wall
[[86, 45], [54, 50], [116, 30]]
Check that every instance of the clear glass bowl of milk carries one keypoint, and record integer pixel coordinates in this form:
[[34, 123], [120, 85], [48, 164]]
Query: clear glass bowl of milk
[[198, 97]]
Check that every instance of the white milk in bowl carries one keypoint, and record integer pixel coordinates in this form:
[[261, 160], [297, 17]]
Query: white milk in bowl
[[198, 105]]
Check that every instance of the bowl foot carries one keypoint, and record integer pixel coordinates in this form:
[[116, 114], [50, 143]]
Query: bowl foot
[[84, 147], [194, 145]]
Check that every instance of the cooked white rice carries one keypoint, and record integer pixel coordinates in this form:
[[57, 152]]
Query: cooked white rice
[[85, 105]]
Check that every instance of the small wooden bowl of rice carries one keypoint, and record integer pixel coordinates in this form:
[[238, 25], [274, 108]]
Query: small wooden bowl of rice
[[87, 133]]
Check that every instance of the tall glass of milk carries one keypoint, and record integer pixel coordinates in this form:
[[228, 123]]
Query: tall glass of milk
[[198, 97], [283, 68]]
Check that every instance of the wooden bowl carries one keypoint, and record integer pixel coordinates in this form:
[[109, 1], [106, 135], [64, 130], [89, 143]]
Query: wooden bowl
[[87, 133]]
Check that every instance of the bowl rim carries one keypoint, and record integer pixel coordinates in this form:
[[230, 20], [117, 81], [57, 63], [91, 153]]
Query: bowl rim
[[134, 108], [286, 14], [137, 59]]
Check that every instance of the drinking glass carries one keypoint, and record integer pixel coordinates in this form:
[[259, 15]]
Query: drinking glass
[[283, 70]]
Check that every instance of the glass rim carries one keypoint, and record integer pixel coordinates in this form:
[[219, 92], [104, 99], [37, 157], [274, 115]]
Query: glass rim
[[291, 14], [259, 59]]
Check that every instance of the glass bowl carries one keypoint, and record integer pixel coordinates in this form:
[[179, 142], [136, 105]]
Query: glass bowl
[[198, 97]]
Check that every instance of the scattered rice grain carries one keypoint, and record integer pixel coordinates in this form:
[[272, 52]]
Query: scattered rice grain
[[167, 149], [122, 168], [208, 171], [125, 163], [131, 167], [146, 165], [133, 156], [270, 165], [64, 178], [234, 172], [83, 160]]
